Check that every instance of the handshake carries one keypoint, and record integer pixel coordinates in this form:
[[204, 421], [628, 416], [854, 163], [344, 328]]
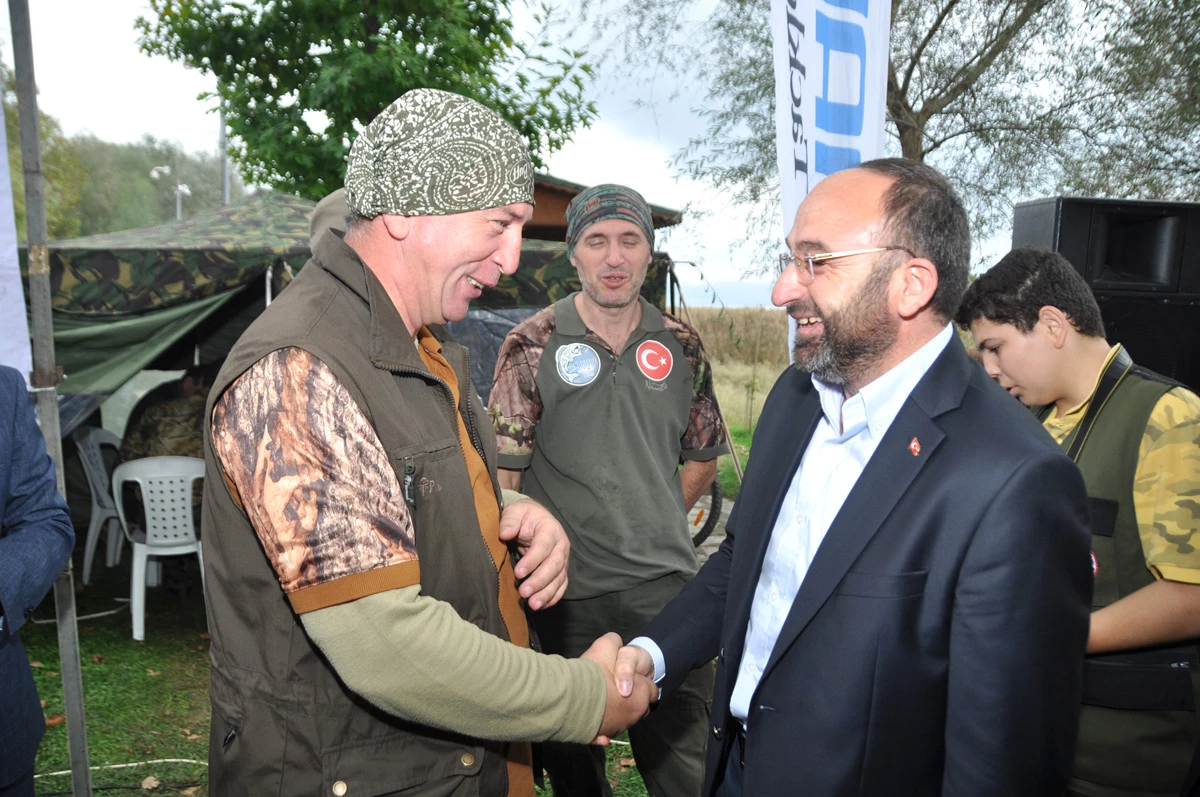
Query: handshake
[[629, 676]]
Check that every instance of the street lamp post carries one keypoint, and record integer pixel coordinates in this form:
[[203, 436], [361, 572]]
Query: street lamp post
[[181, 189]]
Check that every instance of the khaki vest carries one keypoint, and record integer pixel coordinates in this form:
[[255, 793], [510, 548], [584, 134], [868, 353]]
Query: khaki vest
[[1138, 724], [282, 722]]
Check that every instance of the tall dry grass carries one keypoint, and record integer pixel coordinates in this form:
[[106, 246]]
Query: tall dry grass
[[747, 347], [742, 334]]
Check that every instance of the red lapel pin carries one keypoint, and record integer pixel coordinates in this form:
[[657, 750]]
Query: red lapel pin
[[915, 446]]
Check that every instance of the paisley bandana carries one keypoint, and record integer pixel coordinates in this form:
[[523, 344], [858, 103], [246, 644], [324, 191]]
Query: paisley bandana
[[432, 153]]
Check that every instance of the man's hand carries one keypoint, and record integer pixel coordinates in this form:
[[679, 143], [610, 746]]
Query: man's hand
[[632, 663], [625, 709], [544, 548]]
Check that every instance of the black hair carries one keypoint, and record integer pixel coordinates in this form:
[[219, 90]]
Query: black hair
[[925, 214], [1024, 281]]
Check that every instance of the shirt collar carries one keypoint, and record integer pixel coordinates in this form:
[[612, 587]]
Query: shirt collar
[[876, 405], [1083, 405], [568, 322]]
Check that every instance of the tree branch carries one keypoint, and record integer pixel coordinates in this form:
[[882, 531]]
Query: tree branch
[[925, 40], [968, 75]]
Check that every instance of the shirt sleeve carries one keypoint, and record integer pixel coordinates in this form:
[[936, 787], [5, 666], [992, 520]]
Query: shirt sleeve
[[414, 657], [704, 438], [1166, 488], [315, 482], [515, 405]]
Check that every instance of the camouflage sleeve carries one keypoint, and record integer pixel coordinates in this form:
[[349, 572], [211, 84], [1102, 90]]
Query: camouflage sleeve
[[133, 444], [315, 482], [705, 432], [514, 405], [1166, 488]]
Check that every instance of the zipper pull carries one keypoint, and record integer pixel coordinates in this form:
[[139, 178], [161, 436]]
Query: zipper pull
[[409, 484]]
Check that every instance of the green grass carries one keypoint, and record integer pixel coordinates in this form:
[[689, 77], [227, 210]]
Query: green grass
[[142, 700], [725, 470]]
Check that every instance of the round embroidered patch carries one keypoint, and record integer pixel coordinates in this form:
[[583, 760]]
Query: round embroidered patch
[[578, 364], [654, 360]]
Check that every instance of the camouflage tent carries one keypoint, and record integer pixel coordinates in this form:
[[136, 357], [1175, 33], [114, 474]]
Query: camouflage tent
[[149, 297], [122, 300]]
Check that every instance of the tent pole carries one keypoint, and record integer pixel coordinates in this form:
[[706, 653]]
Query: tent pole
[[45, 379]]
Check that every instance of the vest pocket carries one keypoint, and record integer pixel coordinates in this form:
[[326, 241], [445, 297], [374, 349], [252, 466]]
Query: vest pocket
[[399, 762], [417, 469]]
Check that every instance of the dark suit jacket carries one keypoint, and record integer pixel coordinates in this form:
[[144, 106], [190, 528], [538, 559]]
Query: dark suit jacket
[[936, 643], [35, 542]]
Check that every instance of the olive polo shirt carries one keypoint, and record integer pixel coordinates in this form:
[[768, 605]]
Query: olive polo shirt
[[600, 437]]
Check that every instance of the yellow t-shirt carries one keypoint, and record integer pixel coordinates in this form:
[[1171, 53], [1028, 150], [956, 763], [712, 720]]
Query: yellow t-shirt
[[1166, 484]]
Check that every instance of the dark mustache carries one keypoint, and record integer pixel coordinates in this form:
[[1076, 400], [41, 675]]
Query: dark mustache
[[802, 308]]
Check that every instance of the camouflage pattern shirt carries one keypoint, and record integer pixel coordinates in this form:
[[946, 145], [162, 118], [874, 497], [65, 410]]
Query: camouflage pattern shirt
[[315, 482], [173, 428], [1166, 485], [600, 437]]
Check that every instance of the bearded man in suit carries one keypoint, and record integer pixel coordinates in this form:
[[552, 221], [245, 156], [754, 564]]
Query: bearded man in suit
[[901, 604]]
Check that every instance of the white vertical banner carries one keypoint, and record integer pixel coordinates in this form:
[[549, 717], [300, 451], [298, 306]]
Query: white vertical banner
[[831, 66], [14, 327]]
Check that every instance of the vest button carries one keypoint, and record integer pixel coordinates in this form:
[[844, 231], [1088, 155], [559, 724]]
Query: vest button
[[467, 759], [718, 732], [339, 788]]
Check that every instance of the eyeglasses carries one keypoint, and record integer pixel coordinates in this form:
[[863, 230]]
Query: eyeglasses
[[807, 275]]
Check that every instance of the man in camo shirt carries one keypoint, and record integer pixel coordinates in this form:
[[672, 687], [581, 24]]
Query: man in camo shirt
[[1136, 437], [597, 400]]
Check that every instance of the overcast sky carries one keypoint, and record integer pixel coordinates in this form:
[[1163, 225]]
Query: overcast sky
[[92, 78]]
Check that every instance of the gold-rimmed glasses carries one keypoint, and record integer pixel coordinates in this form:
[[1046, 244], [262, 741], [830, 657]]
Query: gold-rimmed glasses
[[810, 260]]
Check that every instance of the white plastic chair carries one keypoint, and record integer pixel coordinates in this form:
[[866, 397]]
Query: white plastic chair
[[89, 440], [166, 485]]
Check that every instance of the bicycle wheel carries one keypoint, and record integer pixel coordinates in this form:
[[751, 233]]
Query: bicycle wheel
[[714, 514]]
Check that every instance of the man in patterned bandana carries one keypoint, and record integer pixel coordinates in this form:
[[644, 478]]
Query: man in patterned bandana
[[597, 401], [1136, 437], [369, 633]]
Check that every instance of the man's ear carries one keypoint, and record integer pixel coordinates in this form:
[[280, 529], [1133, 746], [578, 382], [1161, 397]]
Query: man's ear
[[1055, 324], [918, 283], [398, 227]]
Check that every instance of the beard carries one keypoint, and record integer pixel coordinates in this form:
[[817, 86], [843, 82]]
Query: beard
[[856, 337]]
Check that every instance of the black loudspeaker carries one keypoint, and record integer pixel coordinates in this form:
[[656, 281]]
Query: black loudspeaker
[[1142, 261]]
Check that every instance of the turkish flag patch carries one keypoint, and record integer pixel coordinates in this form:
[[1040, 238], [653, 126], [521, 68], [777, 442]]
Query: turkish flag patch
[[654, 360]]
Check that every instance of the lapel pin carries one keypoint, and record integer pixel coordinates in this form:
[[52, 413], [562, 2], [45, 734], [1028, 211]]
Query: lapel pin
[[915, 446]]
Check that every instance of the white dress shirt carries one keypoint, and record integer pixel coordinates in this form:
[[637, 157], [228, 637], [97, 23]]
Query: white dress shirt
[[845, 438]]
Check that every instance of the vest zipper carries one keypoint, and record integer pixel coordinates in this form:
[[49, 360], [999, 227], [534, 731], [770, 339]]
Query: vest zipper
[[471, 432]]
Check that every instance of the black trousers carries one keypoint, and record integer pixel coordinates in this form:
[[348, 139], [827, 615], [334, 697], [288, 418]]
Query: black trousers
[[21, 787], [731, 783]]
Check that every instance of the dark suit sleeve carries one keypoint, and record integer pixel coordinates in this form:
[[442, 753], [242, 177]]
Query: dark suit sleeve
[[35, 531], [688, 630], [1019, 629]]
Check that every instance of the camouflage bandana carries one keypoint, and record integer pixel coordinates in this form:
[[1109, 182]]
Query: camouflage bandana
[[432, 153], [608, 201]]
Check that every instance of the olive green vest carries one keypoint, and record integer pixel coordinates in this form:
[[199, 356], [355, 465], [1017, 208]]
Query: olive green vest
[[1138, 724], [282, 722]]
